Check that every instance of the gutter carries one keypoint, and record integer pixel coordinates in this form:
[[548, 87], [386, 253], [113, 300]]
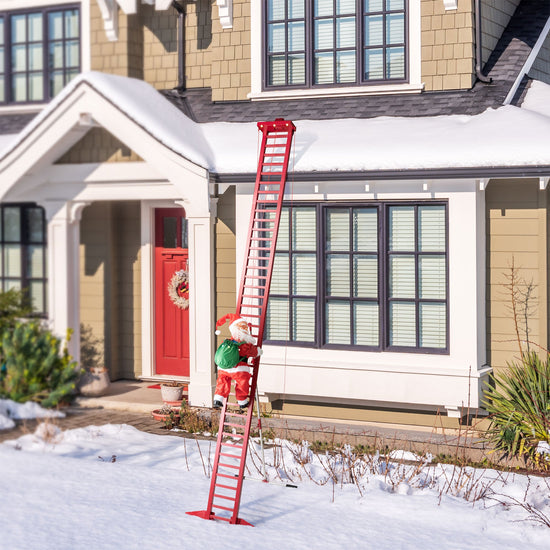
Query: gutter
[[542, 171], [477, 16], [181, 44], [528, 63]]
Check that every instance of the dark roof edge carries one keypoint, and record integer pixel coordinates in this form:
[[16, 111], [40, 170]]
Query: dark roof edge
[[424, 173]]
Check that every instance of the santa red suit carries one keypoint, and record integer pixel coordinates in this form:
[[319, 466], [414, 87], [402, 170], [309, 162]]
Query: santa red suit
[[232, 360]]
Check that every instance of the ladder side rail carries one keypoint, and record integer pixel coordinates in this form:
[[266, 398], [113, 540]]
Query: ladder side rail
[[242, 465], [215, 466], [273, 246], [251, 224]]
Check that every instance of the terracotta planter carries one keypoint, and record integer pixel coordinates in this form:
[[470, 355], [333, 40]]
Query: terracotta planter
[[94, 382], [171, 394], [157, 415]]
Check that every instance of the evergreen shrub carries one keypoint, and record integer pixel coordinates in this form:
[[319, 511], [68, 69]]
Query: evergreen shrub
[[34, 366], [519, 404]]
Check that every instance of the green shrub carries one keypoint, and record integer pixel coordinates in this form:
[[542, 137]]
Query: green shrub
[[519, 404], [33, 368]]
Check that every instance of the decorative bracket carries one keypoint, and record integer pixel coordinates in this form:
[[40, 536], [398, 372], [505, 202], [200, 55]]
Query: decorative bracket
[[543, 183], [483, 184], [225, 8], [450, 4], [109, 12], [75, 210]]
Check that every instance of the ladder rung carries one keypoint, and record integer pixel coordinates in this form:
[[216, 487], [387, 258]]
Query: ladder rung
[[266, 201], [259, 248], [222, 496], [235, 414], [239, 436], [233, 477], [266, 210], [228, 466], [214, 516], [230, 455], [222, 508], [232, 445], [225, 486], [234, 425]]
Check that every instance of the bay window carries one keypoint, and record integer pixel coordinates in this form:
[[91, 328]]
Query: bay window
[[39, 53], [334, 42], [371, 276]]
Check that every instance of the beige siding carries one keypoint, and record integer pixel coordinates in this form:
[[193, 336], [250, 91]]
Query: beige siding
[[495, 15], [541, 67], [98, 145], [231, 55], [516, 235], [110, 291], [226, 283], [447, 45]]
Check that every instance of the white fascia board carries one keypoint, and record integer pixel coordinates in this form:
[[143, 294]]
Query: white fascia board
[[450, 4], [60, 129]]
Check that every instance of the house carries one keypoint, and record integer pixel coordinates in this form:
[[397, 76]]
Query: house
[[418, 179]]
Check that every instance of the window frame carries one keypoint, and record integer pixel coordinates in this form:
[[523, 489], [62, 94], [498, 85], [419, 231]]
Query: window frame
[[360, 48], [383, 256], [45, 10], [24, 243]]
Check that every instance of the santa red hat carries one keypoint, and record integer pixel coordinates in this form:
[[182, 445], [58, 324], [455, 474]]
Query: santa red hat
[[231, 317]]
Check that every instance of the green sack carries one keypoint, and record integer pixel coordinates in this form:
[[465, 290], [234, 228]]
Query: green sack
[[227, 355]]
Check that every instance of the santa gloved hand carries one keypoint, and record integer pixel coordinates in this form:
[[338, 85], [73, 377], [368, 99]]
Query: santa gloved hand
[[260, 352]]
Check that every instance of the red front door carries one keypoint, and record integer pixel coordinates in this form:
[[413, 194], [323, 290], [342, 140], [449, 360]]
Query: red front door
[[171, 319]]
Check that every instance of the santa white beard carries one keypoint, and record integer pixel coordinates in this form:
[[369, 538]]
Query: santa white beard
[[242, 335]]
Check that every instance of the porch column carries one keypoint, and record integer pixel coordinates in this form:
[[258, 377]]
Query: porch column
[[201, 309], [63, 270]]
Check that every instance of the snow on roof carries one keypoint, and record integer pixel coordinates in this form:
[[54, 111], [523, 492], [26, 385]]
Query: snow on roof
[[504, 137]]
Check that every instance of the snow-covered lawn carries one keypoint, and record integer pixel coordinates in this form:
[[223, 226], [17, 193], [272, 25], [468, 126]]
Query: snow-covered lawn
[[112, 486]]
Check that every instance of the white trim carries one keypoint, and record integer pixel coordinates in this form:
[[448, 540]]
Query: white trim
[[109, 13], [450, 4], [225, 9], [408, 378], [543, 183], [10, 5], [528, 63], [414, 85]]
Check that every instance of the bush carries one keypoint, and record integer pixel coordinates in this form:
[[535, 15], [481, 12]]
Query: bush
[[13, 307], [33, 368], [519, 404]]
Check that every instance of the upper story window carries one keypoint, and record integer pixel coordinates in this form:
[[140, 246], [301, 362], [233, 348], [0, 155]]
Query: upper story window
[[335, 42], [39, 53]]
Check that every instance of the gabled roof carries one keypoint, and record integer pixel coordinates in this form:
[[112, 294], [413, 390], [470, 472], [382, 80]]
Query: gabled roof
[[503, 66]]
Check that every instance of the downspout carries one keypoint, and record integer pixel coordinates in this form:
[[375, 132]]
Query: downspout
[[181, 44], [477, 18]]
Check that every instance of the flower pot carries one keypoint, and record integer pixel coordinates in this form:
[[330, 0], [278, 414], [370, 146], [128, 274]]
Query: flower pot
[[171, 394], [157, 415], [94, 382]]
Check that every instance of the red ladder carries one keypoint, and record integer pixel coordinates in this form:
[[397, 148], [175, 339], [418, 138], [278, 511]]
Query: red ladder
[[234, 430]]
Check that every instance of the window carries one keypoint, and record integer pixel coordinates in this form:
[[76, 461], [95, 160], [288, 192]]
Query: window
[[335, 42], [368, 276], [39, 53], [23, 252]]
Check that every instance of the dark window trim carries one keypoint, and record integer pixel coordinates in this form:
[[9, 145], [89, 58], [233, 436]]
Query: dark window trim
[[24, 242], [8, 73], [310, 50], [383, 273]]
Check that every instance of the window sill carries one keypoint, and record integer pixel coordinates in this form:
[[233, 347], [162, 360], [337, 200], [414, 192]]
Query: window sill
[[336, 92], [20, 109]]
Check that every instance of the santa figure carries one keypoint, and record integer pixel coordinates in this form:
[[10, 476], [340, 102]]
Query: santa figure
[[232, 358]]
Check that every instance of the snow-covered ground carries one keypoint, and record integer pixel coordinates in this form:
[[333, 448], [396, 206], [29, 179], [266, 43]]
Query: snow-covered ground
[[114, 487]]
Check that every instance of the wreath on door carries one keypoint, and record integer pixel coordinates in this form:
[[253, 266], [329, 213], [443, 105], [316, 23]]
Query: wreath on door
[[178, 289]]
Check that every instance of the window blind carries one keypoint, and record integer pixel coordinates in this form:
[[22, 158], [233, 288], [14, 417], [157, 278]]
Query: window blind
[[338, 229], [402, 277], [277, 319], [366, 317], [433, 325], [304, 274], [338, 323], [401, 227], [433, 278], [402, 324], [338, 276], [303, 315]]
